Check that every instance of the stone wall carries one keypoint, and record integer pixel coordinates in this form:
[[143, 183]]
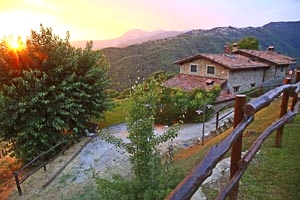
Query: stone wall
[[245, 79], [220, 71]]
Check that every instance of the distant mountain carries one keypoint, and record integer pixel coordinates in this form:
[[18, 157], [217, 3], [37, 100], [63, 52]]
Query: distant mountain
[[129, 38], [136, 62]]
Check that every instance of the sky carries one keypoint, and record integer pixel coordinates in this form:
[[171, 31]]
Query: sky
[[107, 19]]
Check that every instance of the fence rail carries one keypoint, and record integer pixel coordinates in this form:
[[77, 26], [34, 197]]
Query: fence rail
[[19, 179], [243, 116]]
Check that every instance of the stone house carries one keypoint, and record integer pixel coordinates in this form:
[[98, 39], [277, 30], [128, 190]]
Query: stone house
[[236, 71]]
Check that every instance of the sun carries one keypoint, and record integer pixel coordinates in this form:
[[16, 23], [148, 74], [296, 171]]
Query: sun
[[15, 43]]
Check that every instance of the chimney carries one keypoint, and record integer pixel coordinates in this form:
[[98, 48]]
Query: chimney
[[227, 49], [235, 47], [271, 48]]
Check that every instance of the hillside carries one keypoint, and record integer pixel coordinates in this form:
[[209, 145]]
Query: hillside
[[136, 62], [129, 38]]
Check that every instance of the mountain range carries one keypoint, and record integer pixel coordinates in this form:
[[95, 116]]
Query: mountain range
[[133, 63], [134, 36]]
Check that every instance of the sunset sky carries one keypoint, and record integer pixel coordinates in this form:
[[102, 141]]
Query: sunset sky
[[106, 19]]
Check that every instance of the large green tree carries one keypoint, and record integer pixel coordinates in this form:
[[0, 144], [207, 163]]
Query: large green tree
[[249, 43], [47, 89]]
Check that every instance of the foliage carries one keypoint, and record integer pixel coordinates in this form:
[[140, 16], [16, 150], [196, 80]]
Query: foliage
[[248, 43], [7, 166], [151, 177], [49, 89], [178, 105], [118, 114], [171, 106]]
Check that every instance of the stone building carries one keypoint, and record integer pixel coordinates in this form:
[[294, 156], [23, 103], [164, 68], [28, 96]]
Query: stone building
[[236, 71]]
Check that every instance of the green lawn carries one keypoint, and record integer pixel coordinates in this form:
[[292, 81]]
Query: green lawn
[[275, 173], [118, 114]]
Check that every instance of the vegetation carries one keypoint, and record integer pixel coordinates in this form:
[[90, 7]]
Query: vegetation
[[49, 90], [136, 62], [248, 43], [118, 115], [275, 172], [151, 178], [172, 105], [178, 105]]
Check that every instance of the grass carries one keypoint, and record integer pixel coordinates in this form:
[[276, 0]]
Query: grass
[[188, 158], [275, 174], [118, 114]]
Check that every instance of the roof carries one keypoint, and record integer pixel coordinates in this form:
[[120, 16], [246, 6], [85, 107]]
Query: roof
[[231, 61], [268, 55], [189, 82]]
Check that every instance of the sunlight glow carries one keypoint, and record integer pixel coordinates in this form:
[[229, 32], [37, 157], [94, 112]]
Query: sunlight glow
[[15, 43]]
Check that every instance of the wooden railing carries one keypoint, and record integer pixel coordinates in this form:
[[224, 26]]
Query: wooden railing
[[243, 116], [28, 170]]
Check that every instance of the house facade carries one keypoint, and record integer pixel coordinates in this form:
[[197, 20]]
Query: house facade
[[236, 72]]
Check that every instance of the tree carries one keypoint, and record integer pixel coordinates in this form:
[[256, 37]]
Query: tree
[[151, 178], [49, 89], [178, 105], [248, 43]]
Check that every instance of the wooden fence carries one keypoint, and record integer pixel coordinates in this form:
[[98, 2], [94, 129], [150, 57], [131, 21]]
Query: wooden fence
[[27, 170], [243, 116]]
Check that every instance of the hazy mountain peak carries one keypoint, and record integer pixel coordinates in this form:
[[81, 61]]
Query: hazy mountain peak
[[134, 36]]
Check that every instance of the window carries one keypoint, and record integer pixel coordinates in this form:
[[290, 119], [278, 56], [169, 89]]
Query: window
[[252, 84], [193, 68], [236, 88], [210, 70]]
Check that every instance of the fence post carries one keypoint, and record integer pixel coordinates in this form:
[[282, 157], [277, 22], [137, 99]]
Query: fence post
[[45, 168], [295, 98], [297, 76], [236, 149], [283, 111], [217, 121], [18, 183], [261, 91]]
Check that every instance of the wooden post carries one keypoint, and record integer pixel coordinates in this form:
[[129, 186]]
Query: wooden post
[[18, 183], [217, 120], [297, 76], [287, 80], [45, 168], [261, 91], [3, 152], [236, 150], [295, 98], [283, 111]]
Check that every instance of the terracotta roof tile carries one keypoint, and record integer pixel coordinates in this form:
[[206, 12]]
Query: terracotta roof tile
[[190, 82], [232, 61], [270, 56]]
